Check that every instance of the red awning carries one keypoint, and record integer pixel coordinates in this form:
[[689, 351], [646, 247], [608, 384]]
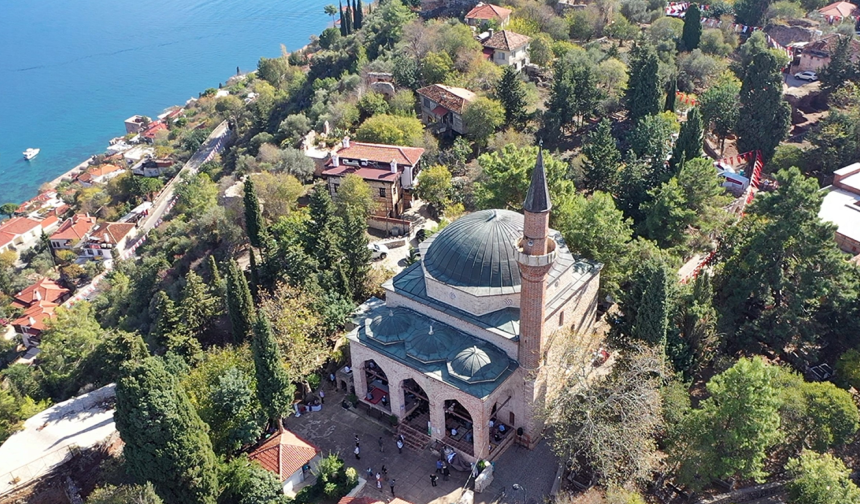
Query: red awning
[[440, 111]]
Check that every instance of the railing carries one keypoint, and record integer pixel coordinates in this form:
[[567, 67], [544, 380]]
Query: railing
[[20, 476]]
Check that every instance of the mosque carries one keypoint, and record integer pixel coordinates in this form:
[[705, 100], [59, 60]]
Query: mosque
[[457, 350]]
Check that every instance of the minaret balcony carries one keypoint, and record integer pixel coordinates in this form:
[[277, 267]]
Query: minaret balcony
[[526, 259]]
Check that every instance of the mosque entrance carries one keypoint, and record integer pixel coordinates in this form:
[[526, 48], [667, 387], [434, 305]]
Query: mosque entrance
[[416, 406], [458, 427], [377, 394]]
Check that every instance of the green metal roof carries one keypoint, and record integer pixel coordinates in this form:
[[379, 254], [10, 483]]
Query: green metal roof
[[389, 327], [477, 250], [459, 359]]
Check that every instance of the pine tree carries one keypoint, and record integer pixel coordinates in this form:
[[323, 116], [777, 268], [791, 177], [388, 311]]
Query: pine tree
[[343, 32], [671, 91], [766, 114], [692, 31], [322, 233], [602, 158], [356, 253], [240, 305], [512, 94], [274, 388], [359, 14], [643, 90], [254, 223], [840, 68], [165, 440], [172, 329]]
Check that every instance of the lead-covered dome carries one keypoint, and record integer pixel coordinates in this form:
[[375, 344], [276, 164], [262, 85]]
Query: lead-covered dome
[[390, 327], [476, 364], [477, 250]]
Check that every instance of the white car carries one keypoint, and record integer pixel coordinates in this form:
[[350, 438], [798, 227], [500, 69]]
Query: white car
[[377, 251], [807, 76]]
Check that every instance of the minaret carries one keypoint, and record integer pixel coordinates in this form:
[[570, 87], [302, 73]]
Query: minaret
[[535, 256], [536, 253]]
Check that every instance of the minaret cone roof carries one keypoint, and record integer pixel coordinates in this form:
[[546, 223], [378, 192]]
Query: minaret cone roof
[[537, 198]]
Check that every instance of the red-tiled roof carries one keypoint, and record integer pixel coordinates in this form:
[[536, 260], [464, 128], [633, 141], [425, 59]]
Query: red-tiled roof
[[153, 128], [452, 98], [506, 40], [827, 45], [43, 290], [74, 228], [381, 153], [284, 454], [487, 12], [36, 315], [37, 202], [98, 171], [111, 232], [365, 173], [841, 9], [15, 227]]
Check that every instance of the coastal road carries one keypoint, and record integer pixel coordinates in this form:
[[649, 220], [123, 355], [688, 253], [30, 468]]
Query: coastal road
[[214, 144]]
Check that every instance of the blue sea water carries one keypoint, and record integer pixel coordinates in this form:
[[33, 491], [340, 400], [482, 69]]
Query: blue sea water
[[72, 70]]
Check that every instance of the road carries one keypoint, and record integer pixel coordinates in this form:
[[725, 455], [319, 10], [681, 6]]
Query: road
[[162, 204]]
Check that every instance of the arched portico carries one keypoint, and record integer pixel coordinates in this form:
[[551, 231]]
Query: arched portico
[[377, 392], [459, 427]]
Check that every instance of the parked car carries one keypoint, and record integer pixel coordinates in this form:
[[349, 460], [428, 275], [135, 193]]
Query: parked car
[[807, 76], [377, 251]]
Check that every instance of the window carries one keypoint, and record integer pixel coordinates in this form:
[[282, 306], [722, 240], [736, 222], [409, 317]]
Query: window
[[427, 102], [512, 419], [381, 192], [334, 188], [561, 319]]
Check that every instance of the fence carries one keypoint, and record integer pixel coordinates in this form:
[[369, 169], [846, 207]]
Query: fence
[[20, 476]]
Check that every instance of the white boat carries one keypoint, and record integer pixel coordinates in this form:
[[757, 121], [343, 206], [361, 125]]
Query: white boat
[[31, 153]]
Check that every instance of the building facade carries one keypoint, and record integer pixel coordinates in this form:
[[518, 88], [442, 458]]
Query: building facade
[[507, 48], [444, 105], [484, 14], [456, 351]]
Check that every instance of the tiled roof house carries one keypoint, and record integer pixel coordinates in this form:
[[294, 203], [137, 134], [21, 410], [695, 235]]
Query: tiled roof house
[[484, 13], [287, 455], [445, 105], [106, 237], [17, 232], [72, 232], [505, 47]]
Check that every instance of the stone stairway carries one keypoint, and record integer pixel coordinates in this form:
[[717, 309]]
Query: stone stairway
[[412, 437]]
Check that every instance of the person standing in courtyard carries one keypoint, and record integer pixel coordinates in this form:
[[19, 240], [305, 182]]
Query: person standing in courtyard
[[433, 479], [445, 472], [391, 484], [381, 449], [322, 396], [369, 473], [357, 452], [378, 482], [357, 441]]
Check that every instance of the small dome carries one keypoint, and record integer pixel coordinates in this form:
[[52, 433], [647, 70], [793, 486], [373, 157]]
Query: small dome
[[477, 250], [470, 361], [476, 364], [433, 344], [391, 327]]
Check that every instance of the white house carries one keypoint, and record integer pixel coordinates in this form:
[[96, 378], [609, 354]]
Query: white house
[[507, 48], [106, 237], [290, 457], [444, 105]]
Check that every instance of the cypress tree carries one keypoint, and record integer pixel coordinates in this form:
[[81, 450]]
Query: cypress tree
[[343, 32], [356, 253], [255, 279], [766, 114], [172, 329], [692, 32], [359, 14], [691, 134], [322, 233], [602, 158], [274, 389], [240, 305], [643, 91], [165, 440], [198, 307], [652, 318], [216, 284], [254, 223], [671, 90], [347, 17], [512, 94]]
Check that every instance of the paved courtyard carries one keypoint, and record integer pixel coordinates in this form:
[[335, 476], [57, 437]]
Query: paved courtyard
[[334, 429]]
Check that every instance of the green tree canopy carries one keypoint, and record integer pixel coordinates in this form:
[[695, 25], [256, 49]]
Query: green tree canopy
[[392, 130], [434, 186], [165, 440], [602, 158], [720, 105], [481, 119], [767, 116], [274, 389], [240, 305], [643, 87], [820, 479], [125, 494], [511, 93], [356, 196], [692, 28]]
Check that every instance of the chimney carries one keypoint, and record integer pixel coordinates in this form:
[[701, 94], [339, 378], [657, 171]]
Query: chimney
[[31, 320], [393, 166], [345, 142], [37, 296], [490, 31], [335, 159]]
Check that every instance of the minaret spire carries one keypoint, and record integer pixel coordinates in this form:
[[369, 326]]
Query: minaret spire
[[537, 197]]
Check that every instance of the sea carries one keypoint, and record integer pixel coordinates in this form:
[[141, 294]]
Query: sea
[[71, 71]]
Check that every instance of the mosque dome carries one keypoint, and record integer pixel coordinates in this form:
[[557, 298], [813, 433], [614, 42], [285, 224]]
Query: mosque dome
[[477, 250], [475, 364], [392, 326], [434, 343]]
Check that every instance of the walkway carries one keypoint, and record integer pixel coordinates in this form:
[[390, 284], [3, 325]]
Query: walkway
[[333, 430]]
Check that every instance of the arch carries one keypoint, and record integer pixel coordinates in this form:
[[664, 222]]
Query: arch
[[416, 405], [378, 389], [459, 427]]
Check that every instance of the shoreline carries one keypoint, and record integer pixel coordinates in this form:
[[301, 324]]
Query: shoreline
[[69, 175]]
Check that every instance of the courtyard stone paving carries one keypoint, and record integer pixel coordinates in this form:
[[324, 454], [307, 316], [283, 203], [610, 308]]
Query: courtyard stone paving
[[334, 429]]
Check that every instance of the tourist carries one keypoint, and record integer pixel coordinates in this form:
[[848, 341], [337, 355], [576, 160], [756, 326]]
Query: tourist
[[357, 440], [391, 484], [433, 479], [331, 379], [322, 397], [453, 432], [501, 427], [384, 471], [380, 444], [439, 466], [384, 400], [369, 473], [445, 472], [399, 446], [378, 483], [357, 452], [369, 396]]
